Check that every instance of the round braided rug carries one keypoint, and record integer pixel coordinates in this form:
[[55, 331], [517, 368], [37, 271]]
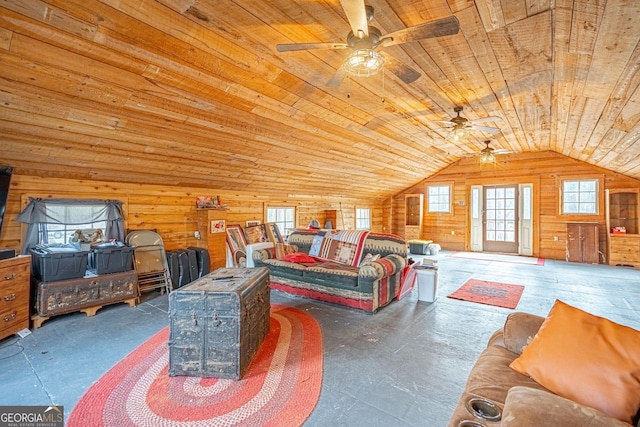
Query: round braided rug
[[280, 388]]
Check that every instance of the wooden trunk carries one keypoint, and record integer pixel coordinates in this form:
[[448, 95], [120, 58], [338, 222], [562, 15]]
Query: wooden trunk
[[14, 294], [217, 326], [86, 294]]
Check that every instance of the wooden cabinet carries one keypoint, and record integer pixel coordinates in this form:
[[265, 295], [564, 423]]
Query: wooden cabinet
[[583, 242], [211, 238], [413, 208], [623, 227], [14, 294]]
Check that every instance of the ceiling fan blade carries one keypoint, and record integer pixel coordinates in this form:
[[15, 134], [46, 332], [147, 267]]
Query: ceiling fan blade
[[486, 119], [337, 78], [290, 47], [486, 129], [441, 27], [403, 71], [446, 122], [357, 16]]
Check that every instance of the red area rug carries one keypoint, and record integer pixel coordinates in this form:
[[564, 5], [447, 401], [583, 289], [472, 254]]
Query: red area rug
[[490, 293], [281, 386]]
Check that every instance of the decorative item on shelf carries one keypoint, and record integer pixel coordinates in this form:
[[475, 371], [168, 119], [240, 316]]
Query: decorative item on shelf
[[618, 230], [251, 223], [218, 226], [209, 202]]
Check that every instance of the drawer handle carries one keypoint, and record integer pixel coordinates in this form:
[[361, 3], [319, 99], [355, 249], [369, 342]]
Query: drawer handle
[[10, 317], [10, 276], [9, 297]]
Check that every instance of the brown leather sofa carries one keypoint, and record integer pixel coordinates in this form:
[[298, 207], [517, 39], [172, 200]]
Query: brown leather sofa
[[493, 387]]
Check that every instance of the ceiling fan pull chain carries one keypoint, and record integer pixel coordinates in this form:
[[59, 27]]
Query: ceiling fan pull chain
[[348, 86]]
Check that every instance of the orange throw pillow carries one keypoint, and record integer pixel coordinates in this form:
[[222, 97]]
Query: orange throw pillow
[[585, 358]]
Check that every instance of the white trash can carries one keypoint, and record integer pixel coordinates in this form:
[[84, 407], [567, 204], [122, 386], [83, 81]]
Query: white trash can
[[434, 249], [427, 283]]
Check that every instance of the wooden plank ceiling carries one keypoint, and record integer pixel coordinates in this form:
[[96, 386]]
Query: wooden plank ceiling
[[194, 92]]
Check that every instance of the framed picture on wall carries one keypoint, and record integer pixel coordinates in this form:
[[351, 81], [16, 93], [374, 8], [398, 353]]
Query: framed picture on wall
[[274, 232], [218, 226], [252, 223]]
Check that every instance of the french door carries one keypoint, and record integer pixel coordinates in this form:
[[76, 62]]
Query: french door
[[500, 210], [500, 218]]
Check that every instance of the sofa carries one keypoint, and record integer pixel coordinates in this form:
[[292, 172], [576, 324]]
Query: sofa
[[496, 394], [353, 268]]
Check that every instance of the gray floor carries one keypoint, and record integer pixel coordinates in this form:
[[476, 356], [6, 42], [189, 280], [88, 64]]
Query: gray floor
[[404, 366]]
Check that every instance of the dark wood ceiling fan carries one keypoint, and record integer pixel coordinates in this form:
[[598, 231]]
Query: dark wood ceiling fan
[[365, 39]]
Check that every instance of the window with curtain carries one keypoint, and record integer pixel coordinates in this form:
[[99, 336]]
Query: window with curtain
[[56, 220]]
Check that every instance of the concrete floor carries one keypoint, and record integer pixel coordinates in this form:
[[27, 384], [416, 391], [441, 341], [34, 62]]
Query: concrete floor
[[404, 366]]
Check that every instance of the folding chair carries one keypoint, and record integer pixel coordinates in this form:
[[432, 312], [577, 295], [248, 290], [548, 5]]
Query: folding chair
[[150, 261]]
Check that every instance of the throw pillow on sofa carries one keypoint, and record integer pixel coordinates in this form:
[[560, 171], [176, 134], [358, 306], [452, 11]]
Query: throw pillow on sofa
[[299, 258], [588, 359]]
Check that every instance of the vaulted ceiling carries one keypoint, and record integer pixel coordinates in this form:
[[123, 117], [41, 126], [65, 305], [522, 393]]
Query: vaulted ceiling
[[194, 92]]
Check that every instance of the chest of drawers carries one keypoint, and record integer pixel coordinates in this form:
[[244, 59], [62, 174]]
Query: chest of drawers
[[14, 294]]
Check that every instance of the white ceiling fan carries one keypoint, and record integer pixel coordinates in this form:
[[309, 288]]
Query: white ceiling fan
[[461, 126], [365, 39]]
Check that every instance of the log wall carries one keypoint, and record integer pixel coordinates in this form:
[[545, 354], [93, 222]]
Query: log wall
[[546, 170], [171, 210]]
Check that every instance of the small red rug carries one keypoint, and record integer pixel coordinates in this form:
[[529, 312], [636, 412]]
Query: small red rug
[[490, 293], [280, 388]]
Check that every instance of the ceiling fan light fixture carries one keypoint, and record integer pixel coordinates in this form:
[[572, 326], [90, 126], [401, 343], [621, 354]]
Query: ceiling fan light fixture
[[363, 63], [487, 158], [458, 134]]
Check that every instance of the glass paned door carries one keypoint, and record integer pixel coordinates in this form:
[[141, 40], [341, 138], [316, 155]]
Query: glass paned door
[[501, 219]]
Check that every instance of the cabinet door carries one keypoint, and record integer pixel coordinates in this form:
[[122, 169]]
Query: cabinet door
[[574, 251], [583, 242], [590, 243]]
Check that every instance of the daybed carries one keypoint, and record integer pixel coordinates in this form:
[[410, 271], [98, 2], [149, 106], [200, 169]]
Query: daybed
[[599, 378], [354, 268]]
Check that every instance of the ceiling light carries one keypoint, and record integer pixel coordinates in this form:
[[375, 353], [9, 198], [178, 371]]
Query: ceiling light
[[363, 63], [487, 158], [458, 134]]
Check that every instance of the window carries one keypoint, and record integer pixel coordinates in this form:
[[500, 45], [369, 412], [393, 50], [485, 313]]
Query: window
[[63, 233], [54, 221], [580, 197], [363, 219], [439, 198], [284, 217]]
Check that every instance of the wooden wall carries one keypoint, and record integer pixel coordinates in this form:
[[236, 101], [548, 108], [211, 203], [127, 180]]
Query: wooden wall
[[171, 210], [545, 170]]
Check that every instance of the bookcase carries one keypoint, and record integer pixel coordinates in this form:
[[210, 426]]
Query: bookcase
[[623, 227], [413, 208]]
